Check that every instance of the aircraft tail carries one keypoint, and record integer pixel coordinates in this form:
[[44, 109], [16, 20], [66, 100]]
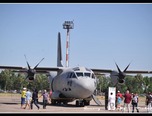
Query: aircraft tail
[[59, 52]]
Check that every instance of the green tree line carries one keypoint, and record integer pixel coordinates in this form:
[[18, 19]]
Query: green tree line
[[10, 80], [137, 83]]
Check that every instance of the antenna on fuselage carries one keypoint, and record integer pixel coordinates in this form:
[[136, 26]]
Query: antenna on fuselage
[[68, 25]]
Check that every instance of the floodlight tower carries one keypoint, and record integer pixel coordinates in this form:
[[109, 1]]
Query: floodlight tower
[[68, 25]]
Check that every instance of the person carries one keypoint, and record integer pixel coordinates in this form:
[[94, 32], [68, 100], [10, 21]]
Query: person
[[106, 99], [119, 99], [45, 98], [23, 96], [28, 98], [149, 102], [135, 101], [34, 99], [127, 101], [50, 94], [111, 102], [37, 95]]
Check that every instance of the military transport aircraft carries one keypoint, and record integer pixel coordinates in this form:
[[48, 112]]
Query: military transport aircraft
[[69, 84]]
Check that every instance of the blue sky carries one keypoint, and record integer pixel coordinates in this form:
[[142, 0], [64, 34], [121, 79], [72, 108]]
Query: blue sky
[[102, 34]]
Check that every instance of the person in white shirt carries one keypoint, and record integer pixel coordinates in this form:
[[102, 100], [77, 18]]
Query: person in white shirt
[[28, 99]]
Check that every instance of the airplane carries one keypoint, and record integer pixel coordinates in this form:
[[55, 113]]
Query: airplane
[[73, 83]]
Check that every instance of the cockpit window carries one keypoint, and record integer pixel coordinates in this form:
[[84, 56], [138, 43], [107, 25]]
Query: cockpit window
[[73, 75], [93, 76], [79, 74], [87, 74], [76, 69], [83, 74]]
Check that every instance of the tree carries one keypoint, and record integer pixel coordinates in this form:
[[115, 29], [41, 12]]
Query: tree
[[103, 83], [10, 80]]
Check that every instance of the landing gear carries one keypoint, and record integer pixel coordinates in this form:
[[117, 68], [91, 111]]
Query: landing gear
[[79, 103], [53, 102], [65, 102], [58, 102], [86, 102], [82, 103]]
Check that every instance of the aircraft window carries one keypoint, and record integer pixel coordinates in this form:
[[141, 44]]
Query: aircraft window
[[70, 76], [79, 74], [93, 76], [76, 69], [87, 74], [74, 76]]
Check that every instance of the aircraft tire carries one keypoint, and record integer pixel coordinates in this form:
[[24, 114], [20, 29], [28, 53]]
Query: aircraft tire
[[86, 102], [65, 102], [53, 102], [77, 103], [80, 103]]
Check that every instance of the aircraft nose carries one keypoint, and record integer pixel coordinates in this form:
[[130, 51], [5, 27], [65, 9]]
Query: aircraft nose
[[86, 87]]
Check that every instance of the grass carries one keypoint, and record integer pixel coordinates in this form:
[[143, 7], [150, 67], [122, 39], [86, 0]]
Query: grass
[[9, 94]]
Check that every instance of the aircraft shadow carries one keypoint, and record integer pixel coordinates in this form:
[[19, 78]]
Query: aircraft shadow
[[9, 103], [69, 105]]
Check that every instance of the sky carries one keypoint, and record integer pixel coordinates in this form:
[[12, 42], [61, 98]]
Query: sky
[[103, 33]]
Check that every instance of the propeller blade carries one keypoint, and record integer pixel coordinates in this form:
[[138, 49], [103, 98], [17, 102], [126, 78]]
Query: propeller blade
[[27, 63], [126, 68], [38, 63], [118, 68]]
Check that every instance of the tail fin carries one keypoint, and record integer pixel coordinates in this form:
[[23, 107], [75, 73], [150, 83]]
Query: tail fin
[[59, 52]]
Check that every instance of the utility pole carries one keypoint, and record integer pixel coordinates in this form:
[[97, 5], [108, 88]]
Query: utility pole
[[68, 25]]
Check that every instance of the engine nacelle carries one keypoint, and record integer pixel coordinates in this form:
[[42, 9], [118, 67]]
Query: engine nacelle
[[116, 79], [30, 78]]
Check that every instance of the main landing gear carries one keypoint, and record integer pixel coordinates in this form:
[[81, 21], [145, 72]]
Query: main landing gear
[[82, 103]]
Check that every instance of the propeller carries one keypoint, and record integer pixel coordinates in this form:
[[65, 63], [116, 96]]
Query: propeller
[[121, 74], [31, 72]]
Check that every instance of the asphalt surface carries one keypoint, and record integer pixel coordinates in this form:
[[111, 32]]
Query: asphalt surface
[[11, 104]]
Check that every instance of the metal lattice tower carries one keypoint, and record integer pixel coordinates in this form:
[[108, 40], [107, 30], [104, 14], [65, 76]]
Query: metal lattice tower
[[68, 25]]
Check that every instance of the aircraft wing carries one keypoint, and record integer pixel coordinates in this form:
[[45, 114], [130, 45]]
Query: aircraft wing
[[138, 71], [38, 69], [12, 67], [99, 71]]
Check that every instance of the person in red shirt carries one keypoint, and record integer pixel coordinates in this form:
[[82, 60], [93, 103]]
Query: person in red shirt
[[119, 98], [127, 101]]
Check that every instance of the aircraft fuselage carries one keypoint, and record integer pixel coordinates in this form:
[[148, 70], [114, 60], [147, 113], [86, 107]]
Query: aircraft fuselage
[[76, 83]]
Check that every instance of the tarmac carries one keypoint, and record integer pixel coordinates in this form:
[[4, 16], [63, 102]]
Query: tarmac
[[11, 104]]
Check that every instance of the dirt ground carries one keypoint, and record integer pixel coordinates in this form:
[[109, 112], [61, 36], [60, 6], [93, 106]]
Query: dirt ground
[[10, 103]]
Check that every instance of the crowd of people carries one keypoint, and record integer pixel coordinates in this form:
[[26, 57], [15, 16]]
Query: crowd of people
[[126, 100], [123, 102], [28, 98]]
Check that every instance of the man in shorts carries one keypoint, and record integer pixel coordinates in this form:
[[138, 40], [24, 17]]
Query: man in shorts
[[23, 96]]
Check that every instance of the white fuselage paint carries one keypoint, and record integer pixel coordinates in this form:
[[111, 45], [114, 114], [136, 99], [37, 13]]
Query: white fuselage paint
[[78, 87]]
